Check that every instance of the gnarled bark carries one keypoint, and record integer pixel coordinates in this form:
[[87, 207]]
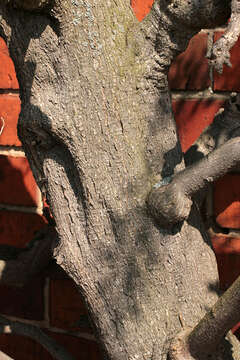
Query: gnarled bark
[[98, 130], [220, 54]]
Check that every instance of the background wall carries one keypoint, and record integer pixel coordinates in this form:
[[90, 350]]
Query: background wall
[[51, 301]]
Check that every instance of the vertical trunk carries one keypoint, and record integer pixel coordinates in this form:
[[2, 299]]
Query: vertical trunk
[[98, 129]]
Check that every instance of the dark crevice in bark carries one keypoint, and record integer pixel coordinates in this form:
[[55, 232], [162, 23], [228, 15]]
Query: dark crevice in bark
[[55, 24], [172, 158]]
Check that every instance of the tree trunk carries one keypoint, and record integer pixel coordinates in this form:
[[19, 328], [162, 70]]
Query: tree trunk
[[98, 130]]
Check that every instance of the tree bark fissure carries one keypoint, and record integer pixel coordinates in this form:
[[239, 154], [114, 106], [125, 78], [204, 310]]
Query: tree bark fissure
[[97, 127]]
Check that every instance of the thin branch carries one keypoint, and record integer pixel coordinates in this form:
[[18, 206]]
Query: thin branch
[[15, 327], [209, 332], [221, 49], [224, 127], [171, 203], [17, 266]]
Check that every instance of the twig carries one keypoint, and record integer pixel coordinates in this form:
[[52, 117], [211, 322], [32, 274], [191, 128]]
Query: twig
[[16, 327]]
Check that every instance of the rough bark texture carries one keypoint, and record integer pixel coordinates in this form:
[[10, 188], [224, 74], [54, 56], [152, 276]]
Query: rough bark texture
[[98, 130], [220, 54], [201, 342]]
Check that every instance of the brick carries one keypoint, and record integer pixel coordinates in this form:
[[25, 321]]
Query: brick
[[17, 228], [67, 310], [236, 331], [19, 347], [229, 79], [190, 70], [227, 250], [141, 8], [8, 78], [80, 348], [226, 200], [23, 348], [26, 302], [192, 117], [3, 47], [17, 184], [10, 107]]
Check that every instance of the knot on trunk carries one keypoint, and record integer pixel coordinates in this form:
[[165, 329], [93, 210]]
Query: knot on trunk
[[168, 204]]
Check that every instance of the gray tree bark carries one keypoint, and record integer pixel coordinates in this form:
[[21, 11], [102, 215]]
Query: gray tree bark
[[98, 129]]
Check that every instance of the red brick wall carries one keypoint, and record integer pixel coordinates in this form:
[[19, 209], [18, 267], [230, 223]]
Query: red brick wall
[[198, 92], [51, 300]]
